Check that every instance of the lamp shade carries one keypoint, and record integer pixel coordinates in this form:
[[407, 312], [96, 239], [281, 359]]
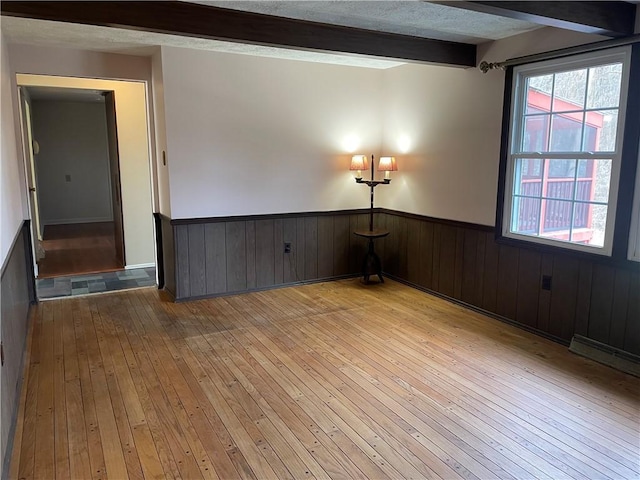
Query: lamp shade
[[358, 162], [387, 164]]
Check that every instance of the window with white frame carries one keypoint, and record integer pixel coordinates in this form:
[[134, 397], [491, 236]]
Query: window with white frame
[[565, 149]]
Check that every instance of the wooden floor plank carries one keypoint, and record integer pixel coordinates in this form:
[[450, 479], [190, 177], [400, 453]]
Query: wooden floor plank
[[167, 408], [107, 345], [79, 463], [81, 317], [45, 424], [61, 435], [180, 397], [331, 380], [112, 448], [156, 458]]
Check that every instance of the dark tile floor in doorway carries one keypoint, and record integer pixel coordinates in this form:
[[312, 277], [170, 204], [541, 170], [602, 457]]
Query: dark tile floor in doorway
[[95, 282]]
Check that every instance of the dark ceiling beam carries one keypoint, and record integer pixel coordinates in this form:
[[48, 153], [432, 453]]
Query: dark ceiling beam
[[194, 20], [612, 19]]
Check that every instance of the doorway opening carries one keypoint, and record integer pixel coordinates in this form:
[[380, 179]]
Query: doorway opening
[[86, 185], [75, 180]]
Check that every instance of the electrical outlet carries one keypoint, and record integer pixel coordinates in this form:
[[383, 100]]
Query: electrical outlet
[[546, 282], [67, 178], [287, 247]]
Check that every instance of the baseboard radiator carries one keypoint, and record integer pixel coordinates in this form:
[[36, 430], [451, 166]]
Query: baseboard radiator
[[606, 354]]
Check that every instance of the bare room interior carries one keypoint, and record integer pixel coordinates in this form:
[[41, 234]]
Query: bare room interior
[[351, 239]]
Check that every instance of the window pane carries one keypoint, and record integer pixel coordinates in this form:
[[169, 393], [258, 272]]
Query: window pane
[[562, 168], [539, 94], [594, 180], [591, 137], [604, 86], [589, 224], [603, 125], [566, 133], [528, 177], [569, 90], [560, 179], [543, 83], [556, 216], [533, 109], [525, 215], [536, 133]]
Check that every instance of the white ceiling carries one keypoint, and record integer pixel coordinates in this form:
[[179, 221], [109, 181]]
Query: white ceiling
[[410, 17]]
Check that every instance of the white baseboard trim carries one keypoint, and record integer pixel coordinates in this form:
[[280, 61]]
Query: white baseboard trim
[[65, 221], [139, 265]]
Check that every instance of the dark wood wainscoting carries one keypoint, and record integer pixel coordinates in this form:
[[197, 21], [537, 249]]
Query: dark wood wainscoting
[[464, 262], [461, 261], [215, 256], [17, 294]]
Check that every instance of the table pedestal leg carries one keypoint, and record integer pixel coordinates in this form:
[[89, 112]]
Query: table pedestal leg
[[371, 264]]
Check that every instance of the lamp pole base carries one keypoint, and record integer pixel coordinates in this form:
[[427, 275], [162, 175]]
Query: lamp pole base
[[371, 264]]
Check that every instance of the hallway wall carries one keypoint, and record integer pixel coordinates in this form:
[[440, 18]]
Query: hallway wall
[[73, 163]]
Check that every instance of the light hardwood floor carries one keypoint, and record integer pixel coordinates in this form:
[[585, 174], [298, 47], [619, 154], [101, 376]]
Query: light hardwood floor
[[331, 380]]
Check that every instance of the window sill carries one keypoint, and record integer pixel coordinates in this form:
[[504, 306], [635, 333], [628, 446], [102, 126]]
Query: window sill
[[599, 258]]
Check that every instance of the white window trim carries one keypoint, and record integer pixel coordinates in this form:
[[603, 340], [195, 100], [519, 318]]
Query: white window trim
[[621, 54], [634, 232]]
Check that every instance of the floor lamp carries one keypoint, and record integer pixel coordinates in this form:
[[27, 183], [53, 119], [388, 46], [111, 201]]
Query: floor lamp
[[386, 165]]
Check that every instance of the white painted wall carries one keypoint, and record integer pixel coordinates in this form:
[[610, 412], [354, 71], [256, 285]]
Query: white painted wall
[[83, 63], [536, 41], [12, 187], [73, 142], [444, 125], [163, 194], [133, 147], [249, 135], [78, 63]]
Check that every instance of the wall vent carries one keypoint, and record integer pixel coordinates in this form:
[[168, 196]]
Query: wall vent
[[606, 354]]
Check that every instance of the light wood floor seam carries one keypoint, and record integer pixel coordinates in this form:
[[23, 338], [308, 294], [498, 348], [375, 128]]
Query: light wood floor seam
[[333, 380]]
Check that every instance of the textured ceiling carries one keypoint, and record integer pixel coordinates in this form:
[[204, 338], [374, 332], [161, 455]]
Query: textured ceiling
[[410, 17], [415, 18]]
